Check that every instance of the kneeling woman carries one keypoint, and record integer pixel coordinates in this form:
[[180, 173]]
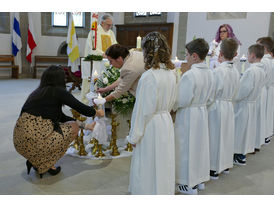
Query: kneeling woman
[[43, 133]]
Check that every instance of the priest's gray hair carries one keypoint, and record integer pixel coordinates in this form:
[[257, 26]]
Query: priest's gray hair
[[105, 17]]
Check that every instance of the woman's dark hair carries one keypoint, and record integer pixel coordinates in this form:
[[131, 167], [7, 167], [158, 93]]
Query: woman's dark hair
[[116, 50], [53, 76]]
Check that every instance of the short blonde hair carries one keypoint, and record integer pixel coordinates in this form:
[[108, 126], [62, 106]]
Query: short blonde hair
[[156, 51]]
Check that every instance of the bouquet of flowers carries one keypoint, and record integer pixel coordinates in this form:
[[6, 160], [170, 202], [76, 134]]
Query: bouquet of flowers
[[125, 103]]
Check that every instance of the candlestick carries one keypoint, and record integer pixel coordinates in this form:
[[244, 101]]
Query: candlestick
[[114, 125], [138, 44], [129, 146], [82, 151]]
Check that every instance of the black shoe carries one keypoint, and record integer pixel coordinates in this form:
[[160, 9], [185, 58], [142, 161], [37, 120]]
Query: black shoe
[[54, 171], [214, 175], [29, 166], [267, 140], [51, 171]]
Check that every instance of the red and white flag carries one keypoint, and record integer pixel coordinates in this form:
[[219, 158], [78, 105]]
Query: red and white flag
[[31, 38]]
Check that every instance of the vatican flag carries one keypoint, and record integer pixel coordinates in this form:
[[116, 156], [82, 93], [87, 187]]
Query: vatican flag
[[73, 46]]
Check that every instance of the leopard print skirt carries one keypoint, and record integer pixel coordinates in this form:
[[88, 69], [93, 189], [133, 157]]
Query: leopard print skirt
[[35, 139]]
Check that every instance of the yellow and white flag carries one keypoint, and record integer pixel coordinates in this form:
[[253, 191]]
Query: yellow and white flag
[[73, 46]]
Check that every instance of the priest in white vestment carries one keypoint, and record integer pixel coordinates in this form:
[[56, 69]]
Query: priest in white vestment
[[268, 44], [251, 84], [191, 124], [221, 111], [105, 36], [152, 168]]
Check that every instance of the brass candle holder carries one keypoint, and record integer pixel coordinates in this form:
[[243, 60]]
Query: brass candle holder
[[82, 151], [110, 144], [100, 152], [76, 143], [95, 147], [114, 125], [92, 141], [129, 147]]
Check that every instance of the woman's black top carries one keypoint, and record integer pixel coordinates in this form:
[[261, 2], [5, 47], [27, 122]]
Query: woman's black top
[[47, 102]]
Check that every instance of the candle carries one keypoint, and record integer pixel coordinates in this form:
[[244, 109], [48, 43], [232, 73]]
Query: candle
[[99, 96], [177, 62], [138, 44], [95, 74]]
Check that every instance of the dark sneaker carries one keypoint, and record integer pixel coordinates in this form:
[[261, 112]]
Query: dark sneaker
[[214, 175], [186, 190], [267, 141], [241, 157], [238, 160]]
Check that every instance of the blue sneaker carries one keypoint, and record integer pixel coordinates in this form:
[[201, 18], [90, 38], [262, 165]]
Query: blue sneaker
[[242, 157]]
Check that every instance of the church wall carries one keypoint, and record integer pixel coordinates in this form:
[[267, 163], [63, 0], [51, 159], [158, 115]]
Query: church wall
[[247, 30], [46, 45]]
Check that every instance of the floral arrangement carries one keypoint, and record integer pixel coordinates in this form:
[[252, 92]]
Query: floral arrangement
[[93, 57], [125, 103]]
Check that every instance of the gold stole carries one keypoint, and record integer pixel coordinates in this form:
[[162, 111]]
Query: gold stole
[[106, 42]]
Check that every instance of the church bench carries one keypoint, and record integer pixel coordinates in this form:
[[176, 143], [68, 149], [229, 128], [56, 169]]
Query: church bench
[[46, 61], [14, 68]]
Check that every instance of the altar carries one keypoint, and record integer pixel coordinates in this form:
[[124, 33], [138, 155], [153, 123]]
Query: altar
[[113, 128]]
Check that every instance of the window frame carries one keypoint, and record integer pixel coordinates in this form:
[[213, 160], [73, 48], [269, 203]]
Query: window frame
[[67, 20]]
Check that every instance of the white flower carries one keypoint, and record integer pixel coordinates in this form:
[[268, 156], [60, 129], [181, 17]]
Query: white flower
[[107, 64], [124, 100], [105, 80]]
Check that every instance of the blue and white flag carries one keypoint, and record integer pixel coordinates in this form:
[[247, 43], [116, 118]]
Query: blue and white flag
[[16, 35]]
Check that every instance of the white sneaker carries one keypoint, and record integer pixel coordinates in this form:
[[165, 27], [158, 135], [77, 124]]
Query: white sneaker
[[226, 171], [214, 175], [201, 186], [186, 189]]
